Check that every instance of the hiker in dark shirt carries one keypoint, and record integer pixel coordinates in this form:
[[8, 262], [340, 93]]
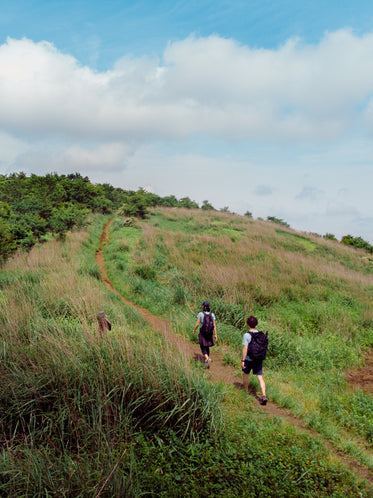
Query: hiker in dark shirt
[[206, 342], [248, 364]]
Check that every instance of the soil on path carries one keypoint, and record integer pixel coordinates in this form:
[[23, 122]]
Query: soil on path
[[219, 371]]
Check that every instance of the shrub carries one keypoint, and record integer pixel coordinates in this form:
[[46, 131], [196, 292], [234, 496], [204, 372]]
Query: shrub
[[330, 236], [357, 242], [135, 206], [146, 272]]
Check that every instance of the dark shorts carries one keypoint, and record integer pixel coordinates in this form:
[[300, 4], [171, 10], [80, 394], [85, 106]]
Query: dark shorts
[[205, 350], [255, 365], [205, 341]]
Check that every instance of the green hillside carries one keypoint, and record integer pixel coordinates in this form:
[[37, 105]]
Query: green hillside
[[36, 208], [125, 415]]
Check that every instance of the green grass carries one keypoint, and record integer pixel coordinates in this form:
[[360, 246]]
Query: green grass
[[299, 241], [123, 414], [312, 295]]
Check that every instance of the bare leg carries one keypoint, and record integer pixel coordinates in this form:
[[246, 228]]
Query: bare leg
[[206, 354], [262, 384]]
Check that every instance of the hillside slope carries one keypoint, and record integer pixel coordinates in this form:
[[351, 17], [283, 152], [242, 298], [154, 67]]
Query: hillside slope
[[125, 414], [219, 371], [313, 295]]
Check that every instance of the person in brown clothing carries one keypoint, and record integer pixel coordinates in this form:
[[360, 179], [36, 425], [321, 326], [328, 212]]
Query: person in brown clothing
[[103, 323]]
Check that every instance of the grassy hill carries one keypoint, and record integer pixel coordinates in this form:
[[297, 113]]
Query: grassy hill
[[125, 415]]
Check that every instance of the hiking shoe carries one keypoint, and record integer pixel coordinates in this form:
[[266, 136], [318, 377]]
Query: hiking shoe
[[207, 362], [264, 400]]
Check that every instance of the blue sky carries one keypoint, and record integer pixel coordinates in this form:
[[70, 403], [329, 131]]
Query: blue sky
[[255, 105], [98, 33]]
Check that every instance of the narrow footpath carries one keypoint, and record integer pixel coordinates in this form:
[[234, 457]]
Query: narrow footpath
[[225, 373]]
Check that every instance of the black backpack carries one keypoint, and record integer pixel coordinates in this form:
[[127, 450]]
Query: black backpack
[[257, 348], [207, 326]]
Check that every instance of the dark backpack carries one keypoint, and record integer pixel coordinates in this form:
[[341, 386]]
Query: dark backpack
[[257, 348], [207, 327]]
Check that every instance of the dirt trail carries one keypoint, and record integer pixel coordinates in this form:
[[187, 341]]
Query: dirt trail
[[218, 371]]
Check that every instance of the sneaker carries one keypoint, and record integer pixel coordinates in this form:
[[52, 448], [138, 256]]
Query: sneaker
[[264, 400], [207, 362]]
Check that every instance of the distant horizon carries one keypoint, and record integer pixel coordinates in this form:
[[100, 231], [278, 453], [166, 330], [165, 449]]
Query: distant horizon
[[259, 106], [281, 222]]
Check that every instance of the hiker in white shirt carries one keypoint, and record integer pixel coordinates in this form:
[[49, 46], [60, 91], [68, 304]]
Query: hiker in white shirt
[[248, 364], [206, 341]]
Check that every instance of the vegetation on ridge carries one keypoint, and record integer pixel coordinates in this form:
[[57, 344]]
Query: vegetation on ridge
[[34, 208]]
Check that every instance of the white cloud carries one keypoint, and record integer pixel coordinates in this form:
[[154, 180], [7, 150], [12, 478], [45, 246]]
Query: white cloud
[[309, 193], [106, 156], [125, 125], [10, 148], [104, 159], [348, 209], [263, 190], [204, 85]]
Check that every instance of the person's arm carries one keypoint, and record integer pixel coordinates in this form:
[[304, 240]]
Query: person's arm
[[244, 354], [216, 333], [196, 327]]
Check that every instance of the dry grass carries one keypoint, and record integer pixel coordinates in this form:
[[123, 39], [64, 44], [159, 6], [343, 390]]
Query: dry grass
[[256, 261], [74, 402], [46, 296]]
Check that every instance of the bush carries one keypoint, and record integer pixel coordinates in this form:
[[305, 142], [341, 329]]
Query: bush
[[357, 242], [145, 272], [65, 218], [135, 206], [6, 240], [330, 236], [279, 221]]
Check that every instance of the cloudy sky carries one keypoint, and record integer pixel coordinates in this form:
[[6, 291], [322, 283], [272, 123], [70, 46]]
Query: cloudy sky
[[256, 105]]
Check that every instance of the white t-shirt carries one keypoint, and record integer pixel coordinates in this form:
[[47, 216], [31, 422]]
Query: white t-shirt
[[246, 341], [201, 316]]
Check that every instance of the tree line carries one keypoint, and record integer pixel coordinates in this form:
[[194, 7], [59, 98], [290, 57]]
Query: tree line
[[35, 207]]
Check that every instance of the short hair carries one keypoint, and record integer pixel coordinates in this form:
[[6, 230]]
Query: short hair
[[252, 322]]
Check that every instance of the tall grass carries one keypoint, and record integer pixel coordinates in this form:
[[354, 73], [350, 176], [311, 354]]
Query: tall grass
[[313, 295], [298, 292], [122, 414], [71, 399]]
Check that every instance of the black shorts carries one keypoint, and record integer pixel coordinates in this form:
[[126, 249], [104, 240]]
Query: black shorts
[[255, 365]]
